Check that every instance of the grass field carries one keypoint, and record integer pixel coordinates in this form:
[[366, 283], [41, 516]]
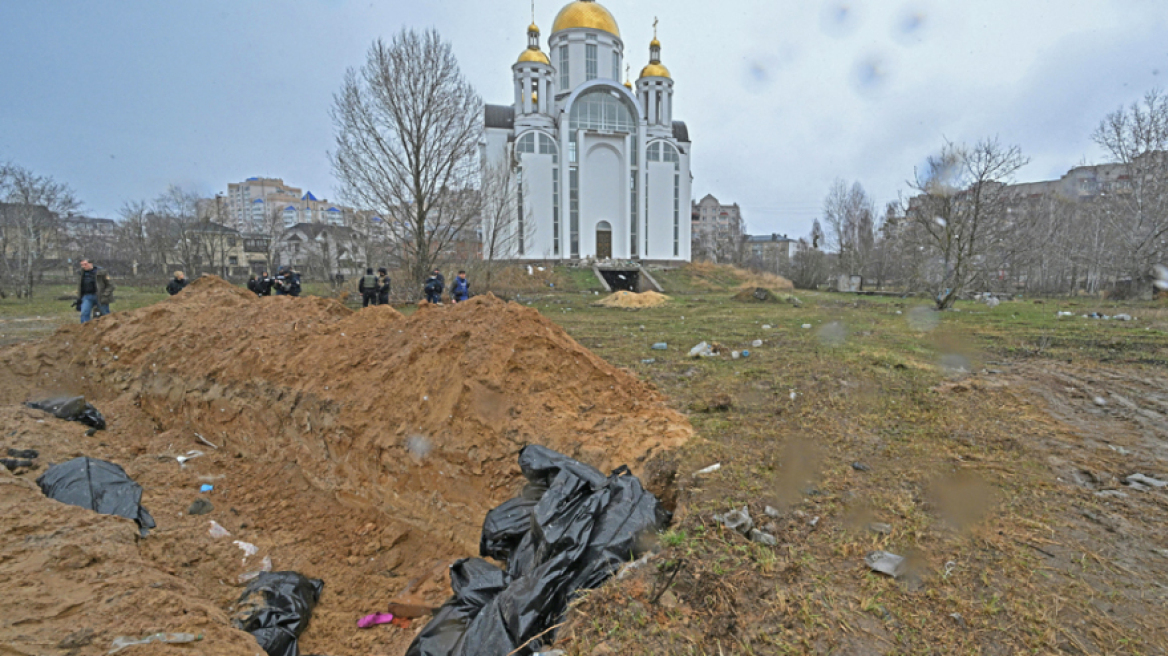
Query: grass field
[[988, 446]]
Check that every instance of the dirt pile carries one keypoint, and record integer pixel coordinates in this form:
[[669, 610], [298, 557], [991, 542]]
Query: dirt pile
[[625, 299], [363, 448]]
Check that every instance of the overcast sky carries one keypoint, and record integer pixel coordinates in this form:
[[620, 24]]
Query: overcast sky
[[122, 98]]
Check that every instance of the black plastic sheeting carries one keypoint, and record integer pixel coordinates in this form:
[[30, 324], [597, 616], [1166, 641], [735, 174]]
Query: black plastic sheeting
[[570, 530], [71, 408], [275, 608], [100, 486]]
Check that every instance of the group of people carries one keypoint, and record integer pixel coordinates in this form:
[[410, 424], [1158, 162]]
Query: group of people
[[436, 284], [286, 282], [374, 289], [95, 291]]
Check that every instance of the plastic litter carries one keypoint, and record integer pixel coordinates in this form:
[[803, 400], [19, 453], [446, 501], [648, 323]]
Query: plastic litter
[[736, 520], [660, 346], [71, 408], [756, 343], [746, 354], [100, 486], [218, 531], [1146, 480], [885, 563], [734, 355], [806, 326], [649, 361], [265, 566], [370, 621], [708, 470], [206, 487], [703, 350], [12, 464], [122, 642], [276, 608], [767, 326], [570, 530], [25, 454], [191, 455], [249, 549]]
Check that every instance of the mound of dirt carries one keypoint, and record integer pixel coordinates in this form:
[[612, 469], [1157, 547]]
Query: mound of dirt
[[757, 295], [366, 446], [624, 299]]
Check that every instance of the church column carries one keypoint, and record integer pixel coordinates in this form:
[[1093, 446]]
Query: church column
[[526, 86]]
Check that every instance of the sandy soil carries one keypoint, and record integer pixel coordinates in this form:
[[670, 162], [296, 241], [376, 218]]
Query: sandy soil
[[360, 448]]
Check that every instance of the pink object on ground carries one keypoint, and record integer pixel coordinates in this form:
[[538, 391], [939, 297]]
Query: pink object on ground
[[374, 620]]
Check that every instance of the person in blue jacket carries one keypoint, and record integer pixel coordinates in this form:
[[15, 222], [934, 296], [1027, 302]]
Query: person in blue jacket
[[460, 289]]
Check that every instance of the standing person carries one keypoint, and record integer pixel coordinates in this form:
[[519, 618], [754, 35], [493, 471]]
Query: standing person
[[460, 288], [95, 290], [253, 285], [294, 282], [178, 284], [264, 284], [368, 287], [382, 286], [441, 281], [433, 289]]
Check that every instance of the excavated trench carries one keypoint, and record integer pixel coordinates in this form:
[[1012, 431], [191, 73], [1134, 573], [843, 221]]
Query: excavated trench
[[360, 448]]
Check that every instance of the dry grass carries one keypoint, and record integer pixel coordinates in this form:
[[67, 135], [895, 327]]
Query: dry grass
[[623, 299]]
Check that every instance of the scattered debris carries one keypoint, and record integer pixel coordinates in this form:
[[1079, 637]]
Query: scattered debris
[[806, 326], [772, 512], [217, 531], [276, 608], [708, 470], [746, 354], [859, 466], [1100, 401], [249, 549], [756, 343], [206, 487], [191, 455], [1111, 494], [24, 454], [767, 326], [660, 346], [122, 642], [734, 355], [649, 361], [632, 567], [736, 520], [880, 528], [762, 537], [580, 526], [100, 486], [370, 621], [886, 563], [703, 350], [71, 408], [12, 464], [265, 566], [206, 441], [1146, 480]]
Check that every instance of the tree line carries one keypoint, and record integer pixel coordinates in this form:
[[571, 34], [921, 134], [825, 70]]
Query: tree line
[[967, 228]]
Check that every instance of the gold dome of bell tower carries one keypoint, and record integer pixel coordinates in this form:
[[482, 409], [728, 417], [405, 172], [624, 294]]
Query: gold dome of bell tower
[[586, 14], [655, 67], [533, 53]]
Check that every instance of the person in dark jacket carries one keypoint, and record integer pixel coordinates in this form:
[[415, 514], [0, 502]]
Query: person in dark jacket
[[460, 288], [95, 291], [264, 284], [433, 290], [382, 286], [368, 286], [178, 284], [287, 282], [441, 280], [253, 284]]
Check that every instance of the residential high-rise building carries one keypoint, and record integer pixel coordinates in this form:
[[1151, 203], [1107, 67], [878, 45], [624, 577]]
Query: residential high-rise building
[[255, 202]]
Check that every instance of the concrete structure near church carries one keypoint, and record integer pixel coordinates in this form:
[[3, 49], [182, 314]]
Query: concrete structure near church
[[602, 168], [252, 205]]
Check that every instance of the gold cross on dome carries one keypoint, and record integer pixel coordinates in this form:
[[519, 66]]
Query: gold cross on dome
[[655, 20]]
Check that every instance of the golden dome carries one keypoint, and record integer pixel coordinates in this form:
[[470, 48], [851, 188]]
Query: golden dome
[[534, 56], [654, 43], [533, 28], [628, 85], [586, 14], [656, 69]]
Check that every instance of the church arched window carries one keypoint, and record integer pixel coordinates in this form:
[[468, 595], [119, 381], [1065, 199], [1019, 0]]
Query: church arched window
[[604, 110], [526, 143]]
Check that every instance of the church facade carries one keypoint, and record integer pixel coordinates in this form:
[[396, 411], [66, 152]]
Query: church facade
[[601, 170]]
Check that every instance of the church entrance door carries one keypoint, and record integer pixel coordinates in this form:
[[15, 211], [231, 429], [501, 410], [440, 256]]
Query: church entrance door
[[603, 241]]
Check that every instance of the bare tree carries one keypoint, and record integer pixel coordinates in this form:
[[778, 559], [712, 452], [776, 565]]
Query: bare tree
[[959, 212], [850, 215], [500, 207], [29, 222], [407, 130], [1136, 210]]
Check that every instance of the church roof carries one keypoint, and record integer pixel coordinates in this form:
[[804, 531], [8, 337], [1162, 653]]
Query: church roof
[[586, 14], [680, 131], [499, 116]]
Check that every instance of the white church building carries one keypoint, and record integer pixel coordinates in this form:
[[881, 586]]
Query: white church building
[[602, 168]]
